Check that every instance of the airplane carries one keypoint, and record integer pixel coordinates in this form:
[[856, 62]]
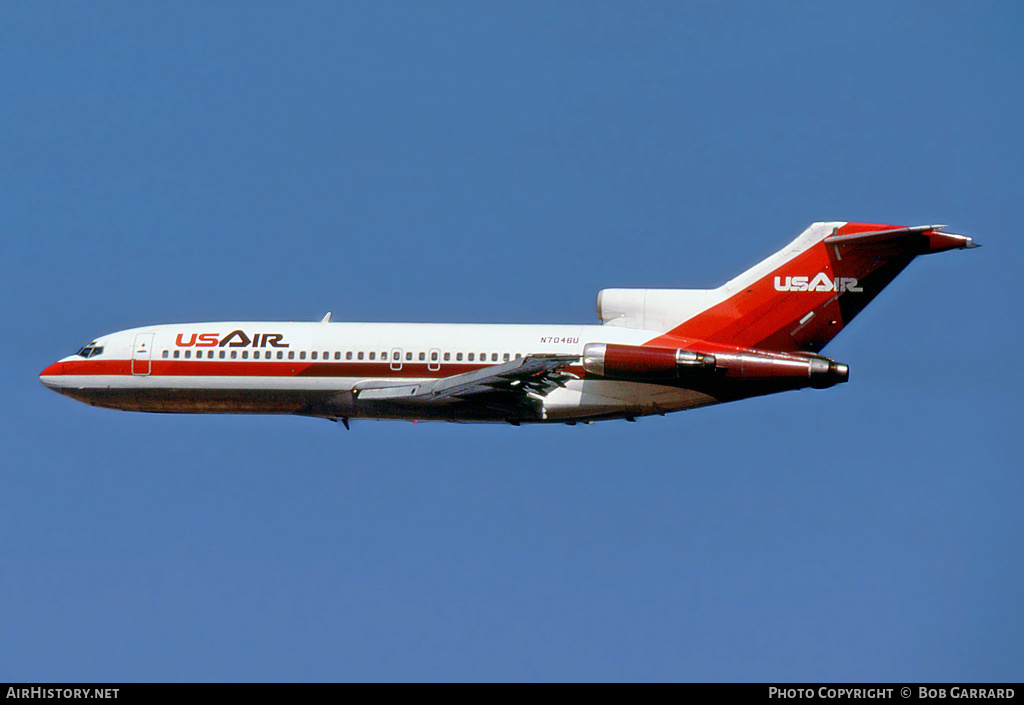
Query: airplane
[[656, 350]]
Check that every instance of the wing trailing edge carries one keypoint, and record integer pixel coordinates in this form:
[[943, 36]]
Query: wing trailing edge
[[513, 382]]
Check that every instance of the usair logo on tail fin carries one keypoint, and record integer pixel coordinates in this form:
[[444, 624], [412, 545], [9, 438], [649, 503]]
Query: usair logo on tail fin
[[819, 283]]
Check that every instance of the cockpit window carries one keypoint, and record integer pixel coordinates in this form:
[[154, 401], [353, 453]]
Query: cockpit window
[[90, 350]]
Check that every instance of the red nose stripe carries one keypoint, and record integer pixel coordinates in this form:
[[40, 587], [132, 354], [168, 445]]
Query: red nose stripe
[[53, 370]]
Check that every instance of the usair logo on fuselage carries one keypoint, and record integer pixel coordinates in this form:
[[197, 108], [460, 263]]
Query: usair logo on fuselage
[[234, 339]]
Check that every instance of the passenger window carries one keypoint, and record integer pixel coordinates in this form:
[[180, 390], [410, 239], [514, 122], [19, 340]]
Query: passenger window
[[348, 355], [373, 356], [313, 355], [337, 355], [505, 357], [447, 357], [494, 357], [165, 353], [210, 354], [360, 355], [177, 353], [327, 355], [234, 354], [291, 355], [408, 356], [188, 354], [471, 357], [280, 355], [302, 354], [483, 357], [255, 354], [384, 355], [221, 354], [245, 354], [433, 357], [458, 357]]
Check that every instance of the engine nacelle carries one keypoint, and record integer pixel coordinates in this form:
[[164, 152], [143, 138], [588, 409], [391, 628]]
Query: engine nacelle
[[641, 362], [742, 367], [789, 371]]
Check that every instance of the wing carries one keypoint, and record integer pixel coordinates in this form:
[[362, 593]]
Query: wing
[[512, 386]]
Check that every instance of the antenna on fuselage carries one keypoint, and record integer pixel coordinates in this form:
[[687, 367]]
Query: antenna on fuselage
[[327, 318]]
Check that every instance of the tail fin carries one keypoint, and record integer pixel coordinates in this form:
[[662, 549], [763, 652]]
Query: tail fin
[[797, 300]]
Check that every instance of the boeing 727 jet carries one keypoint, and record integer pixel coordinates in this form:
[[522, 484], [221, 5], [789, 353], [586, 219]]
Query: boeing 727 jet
[[656, 350]]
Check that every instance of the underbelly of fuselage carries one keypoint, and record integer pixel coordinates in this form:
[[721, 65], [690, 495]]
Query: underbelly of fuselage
[[579, 401]]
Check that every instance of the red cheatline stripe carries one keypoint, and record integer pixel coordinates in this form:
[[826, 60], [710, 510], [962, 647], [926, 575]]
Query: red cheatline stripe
[[269, 368]]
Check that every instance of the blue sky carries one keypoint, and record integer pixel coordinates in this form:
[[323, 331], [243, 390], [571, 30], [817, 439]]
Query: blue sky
[[502, 162]]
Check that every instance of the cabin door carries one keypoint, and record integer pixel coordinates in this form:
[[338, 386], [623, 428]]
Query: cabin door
[[142, 353]]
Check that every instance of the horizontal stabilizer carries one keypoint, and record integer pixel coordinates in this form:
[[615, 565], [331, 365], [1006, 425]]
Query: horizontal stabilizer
[[880, 235], [929, 237]]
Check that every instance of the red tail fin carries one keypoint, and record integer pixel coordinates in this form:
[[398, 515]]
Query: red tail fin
[[798, 299]]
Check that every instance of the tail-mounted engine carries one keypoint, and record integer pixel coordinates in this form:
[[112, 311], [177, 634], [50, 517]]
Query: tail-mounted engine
[[643, 363], [635, 362]]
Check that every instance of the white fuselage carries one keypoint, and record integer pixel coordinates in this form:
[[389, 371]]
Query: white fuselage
[[313, 368]]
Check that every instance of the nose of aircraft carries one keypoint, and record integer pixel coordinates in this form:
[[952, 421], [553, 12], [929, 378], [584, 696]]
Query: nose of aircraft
[[51, 375]]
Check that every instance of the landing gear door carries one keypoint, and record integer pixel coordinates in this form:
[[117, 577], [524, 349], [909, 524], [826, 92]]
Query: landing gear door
[[142, 353]]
